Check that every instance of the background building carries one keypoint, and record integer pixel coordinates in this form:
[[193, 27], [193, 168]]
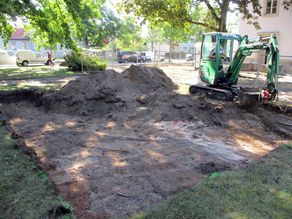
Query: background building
[[274, 20], [19, 41]]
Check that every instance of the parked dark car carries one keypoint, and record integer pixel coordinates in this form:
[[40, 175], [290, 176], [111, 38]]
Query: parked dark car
[[127, 56]]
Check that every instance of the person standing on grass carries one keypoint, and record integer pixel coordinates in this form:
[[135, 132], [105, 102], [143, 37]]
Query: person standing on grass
[[49, 61]]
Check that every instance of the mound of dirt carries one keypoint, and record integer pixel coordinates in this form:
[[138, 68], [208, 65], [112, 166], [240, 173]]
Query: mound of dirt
[[148, 79], [108, 91], [139, 92]]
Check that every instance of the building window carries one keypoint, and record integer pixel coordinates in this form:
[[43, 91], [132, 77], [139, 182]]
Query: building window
[[268, 34], [272, 6], [24, 45]]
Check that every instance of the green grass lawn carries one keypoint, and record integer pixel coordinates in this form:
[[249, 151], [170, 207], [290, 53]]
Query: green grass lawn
[[261, 190], [33, 77], [282, 106], [22, 73], [25, 190], [25, 85]]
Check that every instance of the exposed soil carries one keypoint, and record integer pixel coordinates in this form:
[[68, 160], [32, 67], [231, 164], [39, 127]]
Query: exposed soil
[[119, 143], [111, 91]]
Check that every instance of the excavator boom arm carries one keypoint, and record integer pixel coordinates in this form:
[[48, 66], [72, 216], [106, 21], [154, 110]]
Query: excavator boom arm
[[246, 49]]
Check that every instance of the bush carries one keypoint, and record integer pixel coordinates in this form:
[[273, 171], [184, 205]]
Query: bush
[[90, 63]]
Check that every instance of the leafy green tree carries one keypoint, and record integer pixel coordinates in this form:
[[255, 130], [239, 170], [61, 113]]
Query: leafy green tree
[[101, 31], [154, 36], [165, 32], [129, 35], [172, 35], [10, 10], [181, 12], [51, 21]]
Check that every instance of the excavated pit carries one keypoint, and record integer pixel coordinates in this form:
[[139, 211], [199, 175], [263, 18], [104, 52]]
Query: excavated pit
[[119, 143]]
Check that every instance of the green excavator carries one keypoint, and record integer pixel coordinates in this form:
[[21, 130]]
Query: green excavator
[[220, 66]]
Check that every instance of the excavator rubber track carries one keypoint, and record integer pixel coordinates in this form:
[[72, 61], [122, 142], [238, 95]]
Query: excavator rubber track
[[215, 93]]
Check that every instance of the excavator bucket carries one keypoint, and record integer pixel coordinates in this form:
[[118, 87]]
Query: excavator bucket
[[247, 98]]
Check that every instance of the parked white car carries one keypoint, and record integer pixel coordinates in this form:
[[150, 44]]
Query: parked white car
[[147, 56], [7, 57], [26, 57]]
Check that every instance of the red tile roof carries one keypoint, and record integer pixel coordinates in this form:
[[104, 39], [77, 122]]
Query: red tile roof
[[19, 34]]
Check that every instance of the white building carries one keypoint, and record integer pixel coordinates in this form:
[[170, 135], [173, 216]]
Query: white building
[[274, 20]]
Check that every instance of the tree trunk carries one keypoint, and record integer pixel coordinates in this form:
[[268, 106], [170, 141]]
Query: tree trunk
[[222, 24], [170, 50], [223, 18], [86, 42]]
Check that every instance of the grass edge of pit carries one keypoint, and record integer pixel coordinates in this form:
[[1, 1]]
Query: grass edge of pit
[[26, 190], [280, 106], [262, 189]]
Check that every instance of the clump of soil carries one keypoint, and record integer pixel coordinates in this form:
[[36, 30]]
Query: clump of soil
[[108, 91], [210, 167]]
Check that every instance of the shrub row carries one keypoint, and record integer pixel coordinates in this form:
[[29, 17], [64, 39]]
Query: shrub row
[[78, 60]]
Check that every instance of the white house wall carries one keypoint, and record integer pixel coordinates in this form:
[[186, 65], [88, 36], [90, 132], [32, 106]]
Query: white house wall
[[17, 44], [281, 23]]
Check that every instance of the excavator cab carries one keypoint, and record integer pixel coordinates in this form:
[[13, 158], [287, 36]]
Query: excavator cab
[[216, 56]]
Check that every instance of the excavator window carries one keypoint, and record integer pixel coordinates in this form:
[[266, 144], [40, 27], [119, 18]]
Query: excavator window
[[209, 49], [228, 46], [212, 54], [209, 43]]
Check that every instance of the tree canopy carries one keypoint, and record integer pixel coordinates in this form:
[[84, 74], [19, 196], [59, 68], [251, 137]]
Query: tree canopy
[[103, 30], [129, 35], [51, 21], [182, 12], [66, 22], [165, 32]]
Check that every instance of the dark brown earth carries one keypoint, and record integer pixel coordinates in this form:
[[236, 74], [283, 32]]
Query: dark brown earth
[[119, 143]]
